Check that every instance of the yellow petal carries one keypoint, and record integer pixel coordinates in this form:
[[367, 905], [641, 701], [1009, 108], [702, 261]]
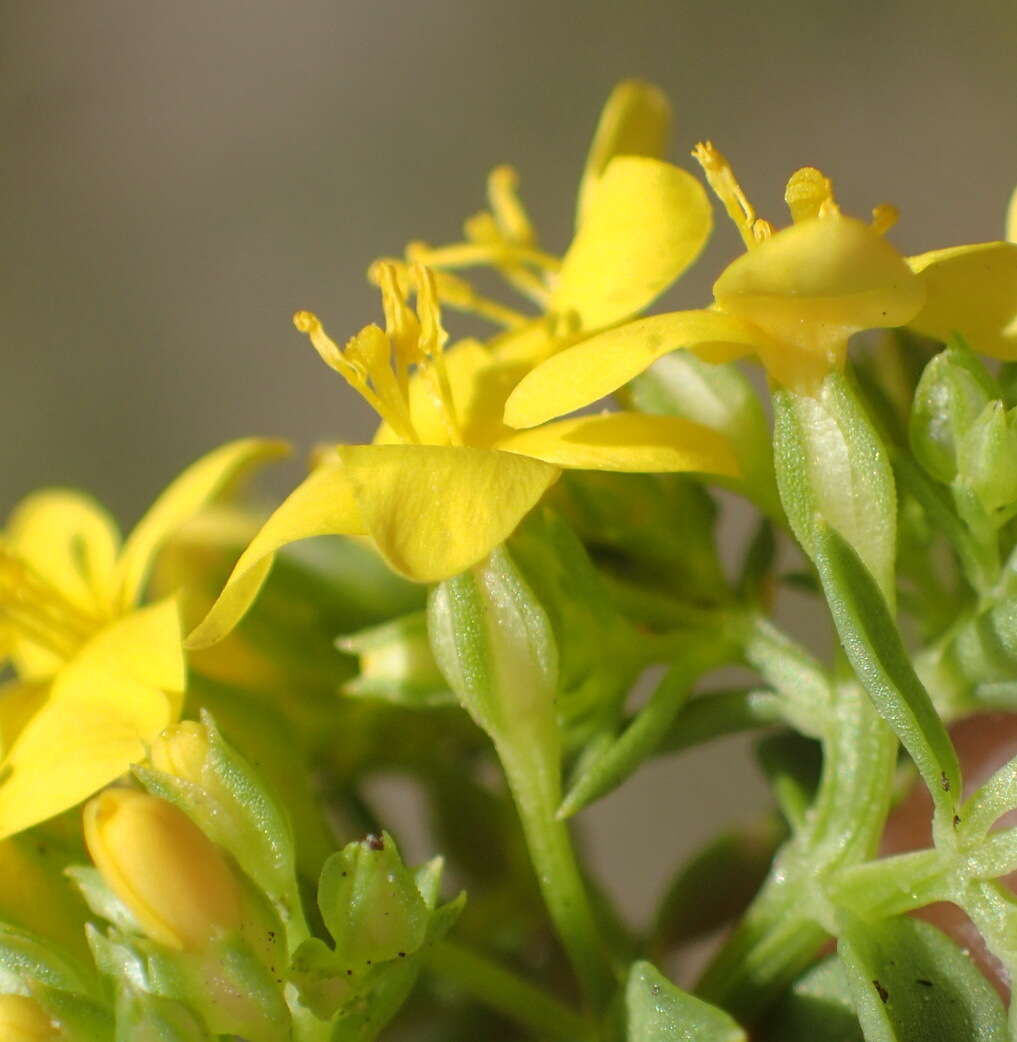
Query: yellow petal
[[971, 290], [434, 511], [115, 695], [815, 284], [193, 490], [479, 382], [645, 224], [19, 701], [323, 504], [628, 441], [71, 541], [600, 365], [528, 345], [1011, 218], [635, 121]]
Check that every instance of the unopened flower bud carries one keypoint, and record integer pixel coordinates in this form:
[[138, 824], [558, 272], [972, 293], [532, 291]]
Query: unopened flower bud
[[954, 388], [987, 458], [174, 880], [22, 1019]]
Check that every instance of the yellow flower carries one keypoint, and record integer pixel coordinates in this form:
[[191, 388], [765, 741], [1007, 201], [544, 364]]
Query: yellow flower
[[972, 290], [794, 299], [640, 222], [172, 877], [443, 485], [97, 676]]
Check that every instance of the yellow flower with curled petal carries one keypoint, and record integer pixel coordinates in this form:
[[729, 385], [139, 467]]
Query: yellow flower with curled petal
[[640, 222], [97, 676], [972, 290], [793, 299], [444, 482]]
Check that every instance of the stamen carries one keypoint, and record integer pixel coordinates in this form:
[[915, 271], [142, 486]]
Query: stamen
[[400, 323], [366, 358], [509, 212], [808, 189], [432, 343], [726, 188], [884, 217], [459, 294]]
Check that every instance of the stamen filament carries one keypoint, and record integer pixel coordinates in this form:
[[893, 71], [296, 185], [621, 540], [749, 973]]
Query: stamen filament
[[727, 189]]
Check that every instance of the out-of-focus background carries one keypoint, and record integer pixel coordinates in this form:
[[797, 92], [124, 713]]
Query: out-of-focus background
[[178, 178]]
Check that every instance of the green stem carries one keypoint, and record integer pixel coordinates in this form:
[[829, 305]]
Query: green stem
[[508, 993], [537, 795], [789, 920]]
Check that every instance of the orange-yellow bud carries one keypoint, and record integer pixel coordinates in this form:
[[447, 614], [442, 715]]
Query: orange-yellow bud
[[22, 1019], [173, 878]]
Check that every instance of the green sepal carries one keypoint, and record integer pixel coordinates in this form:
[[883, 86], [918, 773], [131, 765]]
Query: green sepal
[[910, 983], [233, 807], [494, 643], [658, 1011], [954, 388], [875, 650], [101, 900], [818, 1008], [370, 903], [396, 664], [987, 461], [832, 464], [81, 1019], [26, 960], [144, 1017]]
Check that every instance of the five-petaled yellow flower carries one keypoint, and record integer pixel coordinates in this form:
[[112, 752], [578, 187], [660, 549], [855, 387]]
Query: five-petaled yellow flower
[[444, 482], [97, 675]]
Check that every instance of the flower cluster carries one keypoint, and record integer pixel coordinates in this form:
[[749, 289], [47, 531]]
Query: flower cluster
[[193, 720]]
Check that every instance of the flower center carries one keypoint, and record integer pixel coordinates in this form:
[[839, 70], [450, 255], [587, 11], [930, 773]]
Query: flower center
[[36, 609], [376, 363]]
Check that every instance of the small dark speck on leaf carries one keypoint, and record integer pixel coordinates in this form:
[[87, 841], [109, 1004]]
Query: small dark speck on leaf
[[655, 989], [956, 820], [944, 781], [402, 955], [374, 842], [881, 991], [924, 983]]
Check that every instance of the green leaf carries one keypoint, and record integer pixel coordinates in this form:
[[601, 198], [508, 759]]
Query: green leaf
[[658, 1011], [874, 648], [910, 983], [153, 1018], [792, 764], [643, 733], [720, 713]]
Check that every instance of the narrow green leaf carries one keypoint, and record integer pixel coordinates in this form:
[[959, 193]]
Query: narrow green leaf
[[657, 1011], [874, 648], [910, 983]]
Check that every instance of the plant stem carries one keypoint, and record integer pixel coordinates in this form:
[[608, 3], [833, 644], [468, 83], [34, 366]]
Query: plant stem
[[537, 795], [509, 994]]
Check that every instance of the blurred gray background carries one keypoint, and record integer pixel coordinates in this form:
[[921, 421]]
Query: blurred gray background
[[177, 178]]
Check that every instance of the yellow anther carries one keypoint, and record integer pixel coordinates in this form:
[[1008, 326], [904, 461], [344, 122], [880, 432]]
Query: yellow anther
[[330, 352], [761, 230], [807, 191], [432, 333], [722, 180], [884, 217], [512, 219], [403, 329]]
